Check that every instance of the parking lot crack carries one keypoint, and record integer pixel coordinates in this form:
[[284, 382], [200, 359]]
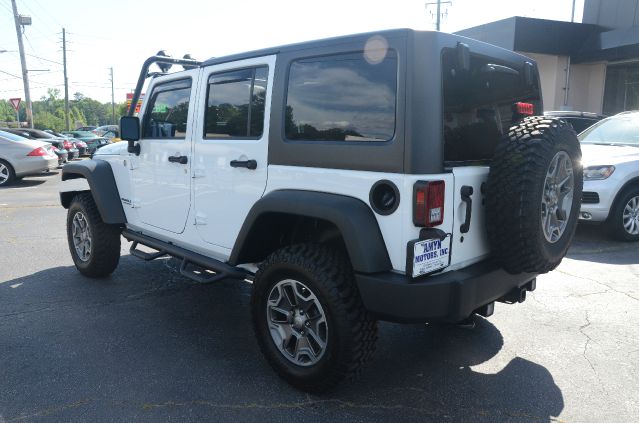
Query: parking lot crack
[[582, 330], [599, 283]]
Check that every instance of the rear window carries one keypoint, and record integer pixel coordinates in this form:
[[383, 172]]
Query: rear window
[[12, 137], [478, 105], [345, 97]]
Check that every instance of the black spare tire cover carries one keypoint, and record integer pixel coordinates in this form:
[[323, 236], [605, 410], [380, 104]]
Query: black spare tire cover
[[533, 195]]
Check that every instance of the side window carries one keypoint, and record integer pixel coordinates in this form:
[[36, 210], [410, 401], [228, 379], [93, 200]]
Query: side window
[[346, 97], [167, 114], [235, 104]]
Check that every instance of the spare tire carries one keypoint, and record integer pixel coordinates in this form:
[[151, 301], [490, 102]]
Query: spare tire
[[533, 195]]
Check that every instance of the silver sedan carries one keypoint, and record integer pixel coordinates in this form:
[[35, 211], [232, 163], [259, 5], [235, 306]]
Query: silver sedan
[[21, 157]]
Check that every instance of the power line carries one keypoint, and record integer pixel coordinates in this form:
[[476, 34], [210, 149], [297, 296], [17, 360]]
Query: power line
[[49, 14], [42, 58], [10, 74]]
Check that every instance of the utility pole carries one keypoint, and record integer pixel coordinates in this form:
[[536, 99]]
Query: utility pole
[[23, 62], [112, 98], [66, 80], [438, 19]]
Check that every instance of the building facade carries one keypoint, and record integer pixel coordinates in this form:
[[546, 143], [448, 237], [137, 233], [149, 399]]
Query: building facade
[[591, 66]]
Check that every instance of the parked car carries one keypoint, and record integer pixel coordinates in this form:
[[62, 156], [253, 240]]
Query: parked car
[[85, 128], [92, 141], [580, 121], [44, 136], [20, 157], [102, 131], [57, 143], [611, 175], [79, 144]]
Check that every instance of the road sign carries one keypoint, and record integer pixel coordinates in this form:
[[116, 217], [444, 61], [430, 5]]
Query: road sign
[[15, 102]]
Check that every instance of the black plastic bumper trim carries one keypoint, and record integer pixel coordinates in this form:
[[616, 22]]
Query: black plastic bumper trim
[[449, 297]]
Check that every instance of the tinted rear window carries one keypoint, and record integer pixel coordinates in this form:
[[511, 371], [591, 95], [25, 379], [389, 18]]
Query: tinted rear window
[[479, 105], [345, 97]]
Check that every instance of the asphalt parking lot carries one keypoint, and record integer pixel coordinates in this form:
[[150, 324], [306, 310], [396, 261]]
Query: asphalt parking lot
[[148, 345]]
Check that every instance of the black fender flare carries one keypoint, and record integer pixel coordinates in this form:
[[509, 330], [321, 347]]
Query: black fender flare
[[353, 218], [99, 175]]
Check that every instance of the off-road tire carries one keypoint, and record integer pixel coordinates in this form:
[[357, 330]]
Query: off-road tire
[[615, 218], [105, 239], [352, 331], [11, 174], [514, 195]]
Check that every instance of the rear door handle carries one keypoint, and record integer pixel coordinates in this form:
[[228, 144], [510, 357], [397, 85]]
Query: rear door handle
[[249, 164], [466, 192], [179, 159]]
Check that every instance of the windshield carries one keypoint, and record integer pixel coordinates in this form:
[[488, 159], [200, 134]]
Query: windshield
[[616, 130], [82, 134], [36, 133]]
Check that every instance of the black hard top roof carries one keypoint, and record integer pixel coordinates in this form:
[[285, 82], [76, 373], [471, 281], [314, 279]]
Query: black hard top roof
[[310, 44]]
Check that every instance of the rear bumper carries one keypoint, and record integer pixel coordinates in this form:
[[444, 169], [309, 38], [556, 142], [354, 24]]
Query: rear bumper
[[449, 297], [36, 165]]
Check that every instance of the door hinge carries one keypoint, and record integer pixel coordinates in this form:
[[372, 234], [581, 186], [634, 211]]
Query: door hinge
[[199, 173], [133, 163], [200, 219]]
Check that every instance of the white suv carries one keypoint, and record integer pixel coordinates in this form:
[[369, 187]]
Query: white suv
[[395, 175], [611, 175]]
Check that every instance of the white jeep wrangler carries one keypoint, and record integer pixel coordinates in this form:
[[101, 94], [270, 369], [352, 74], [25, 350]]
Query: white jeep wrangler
[[397, 175]]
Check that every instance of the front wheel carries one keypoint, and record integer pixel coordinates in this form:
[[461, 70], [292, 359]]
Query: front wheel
[[94, 245], [308, 317], [623, 221], [7, 175]]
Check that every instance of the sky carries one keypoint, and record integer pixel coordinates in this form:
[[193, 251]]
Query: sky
[[122, 34]]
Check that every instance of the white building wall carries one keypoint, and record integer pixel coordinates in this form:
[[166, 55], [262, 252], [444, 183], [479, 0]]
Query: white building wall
[[586, 83]]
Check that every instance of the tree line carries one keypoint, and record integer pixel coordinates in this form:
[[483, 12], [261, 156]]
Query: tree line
[[48, 112]]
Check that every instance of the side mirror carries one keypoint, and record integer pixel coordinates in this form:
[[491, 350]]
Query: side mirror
[[130, 131]]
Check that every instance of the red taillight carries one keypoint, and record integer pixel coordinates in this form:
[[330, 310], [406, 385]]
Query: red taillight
[[38, 152], [67, 145], [525, 109], [428, 205]]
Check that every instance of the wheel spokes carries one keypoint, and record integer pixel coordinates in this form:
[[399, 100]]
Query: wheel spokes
[[297, 322]]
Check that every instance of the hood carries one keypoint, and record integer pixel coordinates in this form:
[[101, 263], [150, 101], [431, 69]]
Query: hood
[[113, 149], [594, 154]]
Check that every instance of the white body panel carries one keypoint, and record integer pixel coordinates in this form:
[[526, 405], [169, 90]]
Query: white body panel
[[161, 189], [472, 246], [223, 195]]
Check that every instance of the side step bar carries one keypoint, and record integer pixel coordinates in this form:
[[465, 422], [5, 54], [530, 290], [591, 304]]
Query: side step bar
[[210, 270]]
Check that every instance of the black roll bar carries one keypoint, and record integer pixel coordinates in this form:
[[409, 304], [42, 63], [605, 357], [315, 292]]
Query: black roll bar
[[187, 63]]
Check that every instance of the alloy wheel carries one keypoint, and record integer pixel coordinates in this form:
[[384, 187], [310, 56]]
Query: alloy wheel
[[631, 216], [81, 236], [4, 173], [556, 201], [297, 322]]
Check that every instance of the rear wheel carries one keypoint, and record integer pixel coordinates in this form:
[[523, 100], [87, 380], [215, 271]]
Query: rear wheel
[[533, 193], [94, 245], [7, 174], [308, 317], [623, 221]]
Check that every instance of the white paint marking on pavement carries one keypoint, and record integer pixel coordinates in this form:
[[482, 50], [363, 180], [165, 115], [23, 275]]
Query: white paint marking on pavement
[[15, 285]]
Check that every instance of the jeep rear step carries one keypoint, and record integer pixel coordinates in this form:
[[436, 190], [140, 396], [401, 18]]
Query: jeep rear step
[[207, 269]]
